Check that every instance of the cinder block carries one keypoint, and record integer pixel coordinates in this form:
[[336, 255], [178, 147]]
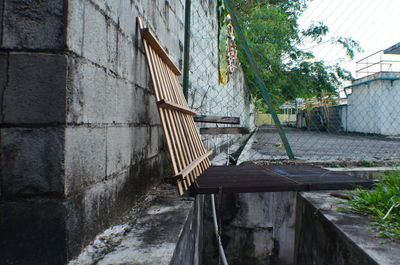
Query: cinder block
[[134, 14], [141, 104], [180, 12], [145, 108], [91, 93], [95, 35], [175, 50], [125, 58], [3, 79], [113, 8], [76, 16], [127, 18], [112, 53], [95, 208], [32, 161], [102, 5], [160, 4], [119, 149], [156, 141], [141, 139], [153, 111], [102, 197], [85, 157], [125, 102], [32, 232], [141, 69], [1, 19], [33, 24], [36, 89]]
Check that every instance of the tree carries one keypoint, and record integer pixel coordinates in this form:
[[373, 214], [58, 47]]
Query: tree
[[274, 36]]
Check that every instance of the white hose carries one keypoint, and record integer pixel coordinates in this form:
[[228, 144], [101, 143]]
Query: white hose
[[221, 249]]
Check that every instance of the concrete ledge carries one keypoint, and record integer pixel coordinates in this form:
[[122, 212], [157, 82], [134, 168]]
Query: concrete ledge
[[325, 235], [165, 229], [365, 172]]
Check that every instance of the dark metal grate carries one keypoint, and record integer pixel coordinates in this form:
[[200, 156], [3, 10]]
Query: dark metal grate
[[254, 178]]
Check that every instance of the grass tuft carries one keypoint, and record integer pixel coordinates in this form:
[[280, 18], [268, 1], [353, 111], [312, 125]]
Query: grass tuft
[[382, 204], [369, 163]]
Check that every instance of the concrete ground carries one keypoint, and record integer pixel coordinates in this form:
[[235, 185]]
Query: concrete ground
[[152, 233], [320, 146]]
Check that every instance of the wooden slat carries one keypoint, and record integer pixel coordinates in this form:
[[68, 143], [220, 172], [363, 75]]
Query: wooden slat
[[162, 117], [148, 35], [193, 165], [217, 119], [224, 130], [198, 147], [184, 157], [189, 123], [188, 154], [183, 143], [166, 104]]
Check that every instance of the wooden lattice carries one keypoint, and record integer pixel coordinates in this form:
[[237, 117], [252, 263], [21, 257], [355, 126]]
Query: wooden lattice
[[188, 155]]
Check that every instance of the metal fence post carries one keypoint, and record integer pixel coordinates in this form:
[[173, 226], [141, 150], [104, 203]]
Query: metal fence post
[[186, 49], [263, 88]]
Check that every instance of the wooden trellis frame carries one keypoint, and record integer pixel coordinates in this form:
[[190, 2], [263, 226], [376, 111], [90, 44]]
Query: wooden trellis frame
[[188, 155], [190, 159]]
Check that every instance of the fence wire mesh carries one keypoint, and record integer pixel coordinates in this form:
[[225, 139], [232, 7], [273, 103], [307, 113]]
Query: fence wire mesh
[[328, 112]]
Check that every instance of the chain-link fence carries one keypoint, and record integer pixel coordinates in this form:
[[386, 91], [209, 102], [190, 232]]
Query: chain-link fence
[[248, 60]]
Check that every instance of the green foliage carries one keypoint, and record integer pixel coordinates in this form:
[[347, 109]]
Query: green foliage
[[368, 163], [274, 36], [350, 46], [334, 165], [260, 105], [382, 204]]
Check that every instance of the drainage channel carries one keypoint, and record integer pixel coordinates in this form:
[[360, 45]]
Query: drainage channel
[[266, 228]]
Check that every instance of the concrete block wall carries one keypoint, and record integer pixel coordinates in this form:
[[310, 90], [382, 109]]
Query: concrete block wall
[[373, 106], [206, 94], [33, 81], [80, 135], [257, 228]]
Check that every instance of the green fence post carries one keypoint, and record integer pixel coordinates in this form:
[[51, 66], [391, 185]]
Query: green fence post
[[264, 91], [186, 49]]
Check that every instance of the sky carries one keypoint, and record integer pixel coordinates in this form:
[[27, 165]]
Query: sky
[[374, 24]]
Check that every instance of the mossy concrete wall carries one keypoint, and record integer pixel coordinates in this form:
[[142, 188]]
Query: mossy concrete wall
[[257, 228], [81, 140], [327, 235]]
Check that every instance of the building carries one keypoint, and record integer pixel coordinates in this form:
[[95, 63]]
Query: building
[[374, 99]]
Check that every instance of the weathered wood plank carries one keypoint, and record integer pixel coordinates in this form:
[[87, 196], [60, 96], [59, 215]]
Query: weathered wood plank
[[217, 119], [172, 106], [151, 39], [193, 165], [225, 130]]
